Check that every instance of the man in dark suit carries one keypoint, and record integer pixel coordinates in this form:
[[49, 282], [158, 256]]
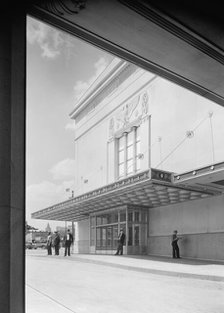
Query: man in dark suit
[[68, 241], [176, 251], [57, 242], [49, 244], [121, 241]]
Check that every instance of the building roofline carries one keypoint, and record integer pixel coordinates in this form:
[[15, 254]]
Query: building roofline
[[106, 77]]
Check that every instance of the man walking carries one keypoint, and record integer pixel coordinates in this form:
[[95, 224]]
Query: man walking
[[68, 242], [121, 240]]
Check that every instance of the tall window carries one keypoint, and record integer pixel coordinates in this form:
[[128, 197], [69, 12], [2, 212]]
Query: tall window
[[137, 159], [128, 151], [121, 159]]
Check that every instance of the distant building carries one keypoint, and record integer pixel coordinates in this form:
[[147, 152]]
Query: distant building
[[36, 236], [127, 177], [48, 228], [61, 230]]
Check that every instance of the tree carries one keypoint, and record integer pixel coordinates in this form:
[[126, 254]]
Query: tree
[[29, 228]]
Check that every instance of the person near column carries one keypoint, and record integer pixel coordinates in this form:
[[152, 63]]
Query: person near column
[[175, 247], [57, 243], [68, 242], [121, 241], [49, 244]]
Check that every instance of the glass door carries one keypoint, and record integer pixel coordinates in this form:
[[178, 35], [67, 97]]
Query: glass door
[[137, 231]]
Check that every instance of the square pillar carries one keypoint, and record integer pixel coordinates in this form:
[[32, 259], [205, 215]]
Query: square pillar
[[12, 161]]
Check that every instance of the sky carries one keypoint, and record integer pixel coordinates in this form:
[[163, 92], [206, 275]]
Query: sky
[[60, 68]]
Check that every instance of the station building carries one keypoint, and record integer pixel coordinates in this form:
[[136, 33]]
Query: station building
[[140, 166]]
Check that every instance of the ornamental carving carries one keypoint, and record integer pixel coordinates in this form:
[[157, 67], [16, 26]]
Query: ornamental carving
[[127, 112], [61, 7], [130, 113], [145, 103]]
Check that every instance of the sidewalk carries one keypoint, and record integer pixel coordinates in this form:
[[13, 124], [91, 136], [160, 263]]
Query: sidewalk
[[188, 268], [198, 269]]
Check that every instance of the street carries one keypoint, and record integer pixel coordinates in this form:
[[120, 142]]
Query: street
[[66, 284]]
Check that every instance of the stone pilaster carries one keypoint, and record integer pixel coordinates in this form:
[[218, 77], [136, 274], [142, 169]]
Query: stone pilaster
[[12, 162]]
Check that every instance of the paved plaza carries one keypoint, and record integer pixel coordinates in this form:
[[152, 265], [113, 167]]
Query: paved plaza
[[121, 284]]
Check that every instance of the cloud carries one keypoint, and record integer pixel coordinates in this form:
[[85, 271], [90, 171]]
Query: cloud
[[48, 51], [81, 86], [46, 193], [64, 169], [100, 65], [50, 40]]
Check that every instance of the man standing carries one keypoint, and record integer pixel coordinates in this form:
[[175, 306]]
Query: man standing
[[176, 251], [49, 244], [121, 240], [57, 243], [68, 242]]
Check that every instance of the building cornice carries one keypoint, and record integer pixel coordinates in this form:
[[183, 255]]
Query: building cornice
[[104, 85], [113, 103]]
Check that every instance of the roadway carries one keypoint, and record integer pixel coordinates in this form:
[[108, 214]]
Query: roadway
[[121, 284]]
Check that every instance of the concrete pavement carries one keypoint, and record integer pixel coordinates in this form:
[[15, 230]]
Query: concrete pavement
[[120, 284], [198, 269], [192, 268]]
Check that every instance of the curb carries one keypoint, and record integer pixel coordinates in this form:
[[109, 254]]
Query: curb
[[152, 271], [140, 269]]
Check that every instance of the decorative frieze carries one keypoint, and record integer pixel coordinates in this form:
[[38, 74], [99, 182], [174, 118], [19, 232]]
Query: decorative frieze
[[121, 183], [151, 188]]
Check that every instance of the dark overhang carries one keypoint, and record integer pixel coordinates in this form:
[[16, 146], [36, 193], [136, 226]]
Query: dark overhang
[[148, 189], [193, 37]]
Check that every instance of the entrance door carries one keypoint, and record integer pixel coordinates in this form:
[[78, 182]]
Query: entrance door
[[137, 232]]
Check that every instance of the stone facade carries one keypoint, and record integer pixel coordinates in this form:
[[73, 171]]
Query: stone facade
[[138, 101]]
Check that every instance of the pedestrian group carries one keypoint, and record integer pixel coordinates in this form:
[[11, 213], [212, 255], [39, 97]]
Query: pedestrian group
[[68, 240], [55, 241]]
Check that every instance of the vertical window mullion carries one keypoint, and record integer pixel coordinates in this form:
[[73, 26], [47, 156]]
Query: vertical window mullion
[[120, 163], [137, 150], [125, 153], [134, 150]]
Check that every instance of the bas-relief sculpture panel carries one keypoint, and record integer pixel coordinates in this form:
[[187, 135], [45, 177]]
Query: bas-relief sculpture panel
[[129, 115]]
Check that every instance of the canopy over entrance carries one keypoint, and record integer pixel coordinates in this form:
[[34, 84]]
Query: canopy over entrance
[[151, 188]]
